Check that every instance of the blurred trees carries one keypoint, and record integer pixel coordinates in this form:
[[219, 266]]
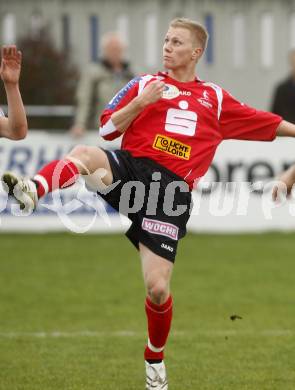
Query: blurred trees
[[48, 78]]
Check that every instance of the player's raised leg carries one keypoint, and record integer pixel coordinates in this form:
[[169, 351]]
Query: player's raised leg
[[82, 160], [157, 273]]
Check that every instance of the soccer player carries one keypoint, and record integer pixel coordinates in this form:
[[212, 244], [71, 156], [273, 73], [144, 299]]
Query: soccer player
[[172, 122], [14, 127]]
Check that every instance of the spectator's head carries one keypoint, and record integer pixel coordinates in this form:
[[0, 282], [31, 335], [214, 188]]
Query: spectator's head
[[292, 62], [113, 48]]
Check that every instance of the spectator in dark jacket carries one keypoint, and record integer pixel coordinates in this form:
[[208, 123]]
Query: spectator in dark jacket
[[284, 95]]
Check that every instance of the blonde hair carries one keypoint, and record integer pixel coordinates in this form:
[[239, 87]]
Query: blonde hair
[[197, 29]]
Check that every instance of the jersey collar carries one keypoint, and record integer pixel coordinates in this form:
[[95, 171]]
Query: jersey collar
[[166, 76]]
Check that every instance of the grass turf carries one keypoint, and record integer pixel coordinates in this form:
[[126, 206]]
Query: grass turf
[[85, 294]]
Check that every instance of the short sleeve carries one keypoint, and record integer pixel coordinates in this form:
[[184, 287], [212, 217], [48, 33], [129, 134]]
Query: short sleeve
[[240, 121]]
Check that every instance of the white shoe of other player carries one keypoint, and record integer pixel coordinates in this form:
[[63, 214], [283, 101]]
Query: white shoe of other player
[[22, 189], [156, 378]]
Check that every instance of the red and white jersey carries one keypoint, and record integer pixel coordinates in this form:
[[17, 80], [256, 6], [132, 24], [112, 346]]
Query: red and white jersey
[[182, 130]]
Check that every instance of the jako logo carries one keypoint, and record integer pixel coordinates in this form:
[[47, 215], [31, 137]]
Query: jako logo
[[157, 227], [168, 247], [185, 93]]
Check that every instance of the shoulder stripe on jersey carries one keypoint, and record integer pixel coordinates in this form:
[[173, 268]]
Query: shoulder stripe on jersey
[[117, 98], [145, 79], [219, 95]]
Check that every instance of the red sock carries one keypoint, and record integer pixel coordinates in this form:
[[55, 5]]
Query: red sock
[[159, 322], [56, 174]]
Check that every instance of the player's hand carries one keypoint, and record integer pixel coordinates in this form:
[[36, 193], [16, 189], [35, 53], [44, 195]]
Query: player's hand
[[77, 131], [286, 181], [11, 59], [152, 93]]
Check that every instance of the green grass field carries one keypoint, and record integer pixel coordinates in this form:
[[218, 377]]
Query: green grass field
[[72, 315]]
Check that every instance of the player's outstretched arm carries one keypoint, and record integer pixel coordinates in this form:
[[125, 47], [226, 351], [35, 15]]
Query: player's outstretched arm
[[126, 115], [286, 129], [15, 126], [286, 179]]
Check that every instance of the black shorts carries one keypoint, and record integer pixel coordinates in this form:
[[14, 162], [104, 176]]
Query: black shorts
[[157, 201]]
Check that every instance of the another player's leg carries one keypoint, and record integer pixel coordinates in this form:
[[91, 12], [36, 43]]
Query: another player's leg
[[82, 160], [157, 274]]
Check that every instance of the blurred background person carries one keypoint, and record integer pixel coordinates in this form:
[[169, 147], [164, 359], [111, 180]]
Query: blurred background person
[[100, 82], [284, 95]]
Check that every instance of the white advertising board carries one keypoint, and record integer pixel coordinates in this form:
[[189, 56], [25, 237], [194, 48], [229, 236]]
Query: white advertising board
[[232, 205]]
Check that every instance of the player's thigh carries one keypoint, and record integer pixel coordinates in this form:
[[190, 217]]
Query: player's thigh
[[156, 269], [92, 160]]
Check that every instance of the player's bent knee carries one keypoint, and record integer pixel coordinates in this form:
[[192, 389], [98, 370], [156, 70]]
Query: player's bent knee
[[158, 291], [93, 163], [81, 155], [79, 152]]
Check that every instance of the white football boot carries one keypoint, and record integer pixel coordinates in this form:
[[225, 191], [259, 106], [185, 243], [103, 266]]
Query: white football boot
[[156, 378], [24, 190]]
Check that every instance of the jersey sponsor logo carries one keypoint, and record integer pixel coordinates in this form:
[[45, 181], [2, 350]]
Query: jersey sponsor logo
[[185, 93], [172, 147], [167, 247], [154, 226], [117, 98], [182, 121], [205, 100], [170, 92]]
